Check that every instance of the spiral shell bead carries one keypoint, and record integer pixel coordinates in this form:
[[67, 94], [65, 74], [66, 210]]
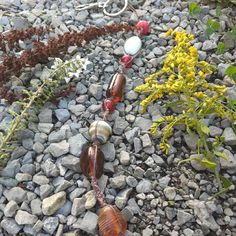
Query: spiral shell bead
[[100, 131], [111, 222]]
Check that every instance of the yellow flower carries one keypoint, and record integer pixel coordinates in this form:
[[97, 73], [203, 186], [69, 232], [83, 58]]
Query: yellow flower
[[169, 32]]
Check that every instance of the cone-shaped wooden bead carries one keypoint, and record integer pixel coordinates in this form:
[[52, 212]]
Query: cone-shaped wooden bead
[[116, 87], [111, 222], [92, 161]]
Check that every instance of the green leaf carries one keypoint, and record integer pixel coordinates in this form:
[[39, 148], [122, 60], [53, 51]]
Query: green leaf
[[233, 1], [231, 72], [204, 128], [194, 8], [212, 27], [226, 182], [221, 48], [218, 11], [232, 33], [208, 164], [221, 155]]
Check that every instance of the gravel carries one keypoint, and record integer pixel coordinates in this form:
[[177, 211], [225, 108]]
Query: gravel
[[42, 189]]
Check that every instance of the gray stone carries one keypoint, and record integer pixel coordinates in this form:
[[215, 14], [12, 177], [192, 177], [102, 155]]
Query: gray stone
[[170, 193], [124, 158], [131, 181], [23, 177], [66, 209], [76, 144], [90, 200], [50, 169], [45, 190], [144, 186], [51, 204], [64, 184], [50, 224], [120, 125], [38, 147], [128, 213], [8, 182], [231, 92], [215, 131], [109, 151], [122, 198], [71, 162], [146, 140], [96, 91], [137, 145], [24, 134], [118, 181], [170, 213], [10, 226], [77, 109], [158, 160], [191, 140], [89, 222], [59, 149], [78, 206], [164, 181], [18, 152], [76, 193], [62, 115], [57, 136], [131, 134], [138, 172], [27, 143], [143, 123], [230, 136], [230, 163], [38, 226], [24, 218], [81, 88], [157, 51], [147, 232], [40, 179], [45, 116], [11, 169], [208, 45], [16, 194], [10, 209], [188, 232], [28, 168], [36, 206], [183, 217], [45, 127]]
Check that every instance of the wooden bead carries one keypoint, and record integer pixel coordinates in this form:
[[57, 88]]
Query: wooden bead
[[111, 222]]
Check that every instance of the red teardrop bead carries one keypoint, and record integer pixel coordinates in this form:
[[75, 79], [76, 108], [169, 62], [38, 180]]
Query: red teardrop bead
[[92, 161], [143, 27], [116, 87], [108, 105], [127, 61]]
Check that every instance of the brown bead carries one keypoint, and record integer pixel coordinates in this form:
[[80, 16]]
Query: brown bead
[[116, 87], [92, 161], [111, 222]]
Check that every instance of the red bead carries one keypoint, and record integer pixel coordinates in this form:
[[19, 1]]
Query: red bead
[[127, 61], [108, 105], [143, 27]]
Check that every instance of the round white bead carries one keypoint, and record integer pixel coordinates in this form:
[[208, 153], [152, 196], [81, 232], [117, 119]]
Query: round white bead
[[132, 45]]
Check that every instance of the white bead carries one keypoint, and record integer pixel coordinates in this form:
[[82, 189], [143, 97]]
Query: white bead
[[132, 45]]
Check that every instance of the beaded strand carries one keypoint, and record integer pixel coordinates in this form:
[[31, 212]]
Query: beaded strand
[[111, 221]]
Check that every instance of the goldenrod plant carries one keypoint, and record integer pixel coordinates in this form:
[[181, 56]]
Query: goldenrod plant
[[60, 71], [183, 81]]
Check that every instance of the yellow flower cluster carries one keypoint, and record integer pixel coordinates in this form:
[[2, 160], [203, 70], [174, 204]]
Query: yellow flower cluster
[[184, 76]]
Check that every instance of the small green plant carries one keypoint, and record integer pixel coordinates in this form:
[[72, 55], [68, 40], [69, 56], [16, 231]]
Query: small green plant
[[186, 87], [221, 48], [194, 9], [212, 26], [231, 72], [60, 71]]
